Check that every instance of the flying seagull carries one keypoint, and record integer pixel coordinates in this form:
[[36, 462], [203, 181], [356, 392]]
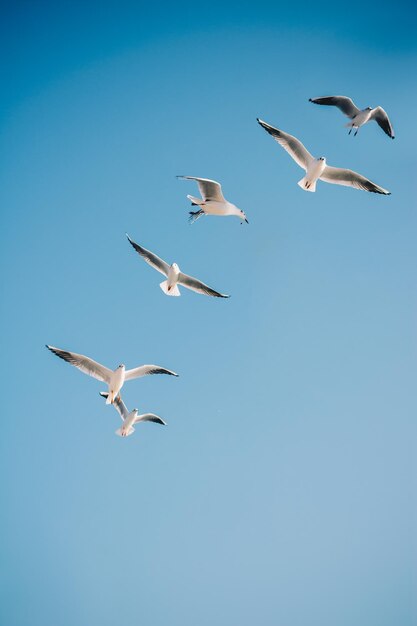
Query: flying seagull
[[130, 418], [359, 117], [212, 201], [114, 379], [316, 168], [174, 276]]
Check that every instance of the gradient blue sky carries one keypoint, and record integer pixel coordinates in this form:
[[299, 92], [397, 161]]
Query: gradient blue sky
[[283, 490]]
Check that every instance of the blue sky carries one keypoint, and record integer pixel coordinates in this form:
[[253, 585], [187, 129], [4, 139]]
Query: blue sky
[[283, 488]]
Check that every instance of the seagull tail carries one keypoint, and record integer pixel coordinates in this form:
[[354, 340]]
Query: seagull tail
[[307, 185], [194, 215], [110, 397], [120, 432], [174, 291], [195, 201]]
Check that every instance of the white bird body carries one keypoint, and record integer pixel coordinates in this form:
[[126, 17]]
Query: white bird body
[[116, 383], [213, 207], [314, 171], [173, 274], [114, 379], [317, 169], [169, 286], [212, 201], [127, 427], [359, 117], [130, 418]]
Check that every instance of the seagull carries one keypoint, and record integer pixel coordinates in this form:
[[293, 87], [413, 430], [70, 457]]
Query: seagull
[[212, 201], [174, 275], [130, 418], [115, 379], [317, 168], [359, 117]]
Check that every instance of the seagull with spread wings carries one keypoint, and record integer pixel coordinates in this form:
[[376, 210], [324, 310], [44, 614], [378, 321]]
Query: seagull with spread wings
[[317, 169], [114, 379], [130, 418], [358, 117], [174, 276], [212, 201]]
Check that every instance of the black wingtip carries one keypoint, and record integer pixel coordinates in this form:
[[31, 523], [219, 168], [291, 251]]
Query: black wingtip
[[310, 99]]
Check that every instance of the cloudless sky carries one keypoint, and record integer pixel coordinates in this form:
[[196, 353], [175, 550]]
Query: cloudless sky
[[283, 490]]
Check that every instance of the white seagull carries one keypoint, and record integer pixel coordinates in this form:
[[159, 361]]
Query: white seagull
[[130, 418], [174, 276], [212, 201], [316, 168], [114, 379], [359, 117]]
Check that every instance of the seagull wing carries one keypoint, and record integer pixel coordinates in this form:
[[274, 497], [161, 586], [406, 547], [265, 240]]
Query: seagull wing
[[198, 286], [118, 404], [293, 146], [349, 178], [147, 370], [150, 417], [380, 116], [86, 365], [150, 258], [209, 189], [344, 103]]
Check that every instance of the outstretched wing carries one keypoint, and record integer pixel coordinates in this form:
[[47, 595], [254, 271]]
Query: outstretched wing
[[83, 363], [150, 417], [344, 103], [118, 404], [349, 178], [209, 189], [379, 115], [291, 144], [150, 257], [147, 370], [198, 286]]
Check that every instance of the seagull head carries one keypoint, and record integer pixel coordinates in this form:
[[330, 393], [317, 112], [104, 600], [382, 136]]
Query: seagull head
[[121, 366], [240, 214], [175, 267], [322, 159], [369, 108]]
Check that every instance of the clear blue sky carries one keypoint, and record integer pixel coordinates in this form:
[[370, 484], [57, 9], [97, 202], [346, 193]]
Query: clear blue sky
[[283, 490]]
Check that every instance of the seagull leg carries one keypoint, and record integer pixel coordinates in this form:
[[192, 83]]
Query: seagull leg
[[356, 132], [350, 130]]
